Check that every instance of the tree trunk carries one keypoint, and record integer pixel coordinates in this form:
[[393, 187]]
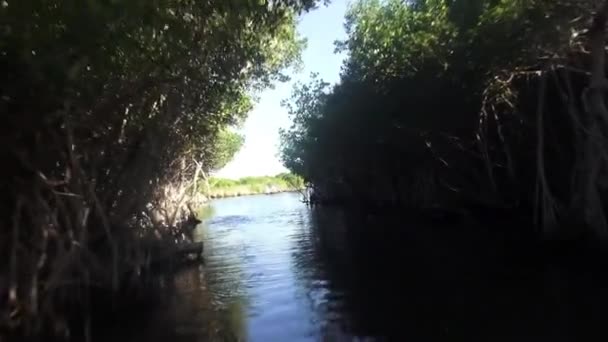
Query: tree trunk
[[594, 164]]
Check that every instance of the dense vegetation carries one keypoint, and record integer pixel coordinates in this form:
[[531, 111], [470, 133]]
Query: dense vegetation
[[111, 112], [223, 187], [461, 104]]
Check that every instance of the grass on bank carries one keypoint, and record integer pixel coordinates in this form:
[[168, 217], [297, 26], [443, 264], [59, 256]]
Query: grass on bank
[[222, 187]]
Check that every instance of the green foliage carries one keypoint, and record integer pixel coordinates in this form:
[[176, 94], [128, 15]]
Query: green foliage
[[109, 108], [221, 149], [432, 105], [222, 187], [292, 180], [390, 38]]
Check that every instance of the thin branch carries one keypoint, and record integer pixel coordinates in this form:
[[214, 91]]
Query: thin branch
[[547, 202], [12, 296]]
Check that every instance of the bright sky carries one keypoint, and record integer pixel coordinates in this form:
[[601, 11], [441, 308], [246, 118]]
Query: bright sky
[[259, 155]]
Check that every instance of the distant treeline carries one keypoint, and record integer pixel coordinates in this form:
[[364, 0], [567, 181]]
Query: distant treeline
[[463, 104], [223, 187]]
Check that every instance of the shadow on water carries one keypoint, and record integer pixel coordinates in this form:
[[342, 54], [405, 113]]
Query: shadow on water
[[278, 271], [198, 302], [392, 279]]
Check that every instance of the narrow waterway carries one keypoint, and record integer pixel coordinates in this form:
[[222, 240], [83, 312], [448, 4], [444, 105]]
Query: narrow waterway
[[276, 270]]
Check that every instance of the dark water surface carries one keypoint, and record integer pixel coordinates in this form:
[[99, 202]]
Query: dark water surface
[[279, 271]]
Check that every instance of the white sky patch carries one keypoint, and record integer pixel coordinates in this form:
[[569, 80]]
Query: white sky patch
[[259, 155]]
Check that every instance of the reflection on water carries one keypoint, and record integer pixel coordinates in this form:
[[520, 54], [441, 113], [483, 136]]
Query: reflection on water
[[278, 271]]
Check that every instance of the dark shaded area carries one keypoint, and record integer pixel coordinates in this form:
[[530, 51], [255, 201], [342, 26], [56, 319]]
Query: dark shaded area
[[427, 280], [463, 106], [112, 111]]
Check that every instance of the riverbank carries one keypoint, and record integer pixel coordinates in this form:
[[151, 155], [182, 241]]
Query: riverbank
[[222, 187], [246, 192]]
